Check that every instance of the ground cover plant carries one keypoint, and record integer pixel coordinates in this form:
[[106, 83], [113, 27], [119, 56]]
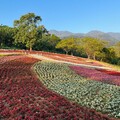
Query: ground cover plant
[[56, 56], [110, 72], [69, 58], [92, 94], [23, 96], [105, 76], [6, 58]]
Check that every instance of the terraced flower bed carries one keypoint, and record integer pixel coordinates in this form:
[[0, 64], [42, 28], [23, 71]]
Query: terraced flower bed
[[104, 76], [23, 96], [91, 94]]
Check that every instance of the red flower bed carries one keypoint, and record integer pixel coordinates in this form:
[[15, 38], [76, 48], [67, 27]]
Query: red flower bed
[[23, 97], [55, 56], [9, 58], [104, 76], [67, 58], [110, 72]]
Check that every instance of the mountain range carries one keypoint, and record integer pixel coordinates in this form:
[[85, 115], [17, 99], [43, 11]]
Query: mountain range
[[111, 37]]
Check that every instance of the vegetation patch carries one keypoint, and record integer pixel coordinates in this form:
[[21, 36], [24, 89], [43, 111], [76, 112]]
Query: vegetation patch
[[92, 94], [23, 96], [110, 72], [105, 76]]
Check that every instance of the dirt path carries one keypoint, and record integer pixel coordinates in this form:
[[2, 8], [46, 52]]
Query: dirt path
[[23, 96]]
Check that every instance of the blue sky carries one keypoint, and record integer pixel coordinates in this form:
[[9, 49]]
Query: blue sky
[[70, 15]]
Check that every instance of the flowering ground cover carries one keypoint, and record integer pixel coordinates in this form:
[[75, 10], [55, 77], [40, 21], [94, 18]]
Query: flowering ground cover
[[55, 56], [105, 76], [68, 58], [23, 96], [5, 58], [110, 72], [91, 94]]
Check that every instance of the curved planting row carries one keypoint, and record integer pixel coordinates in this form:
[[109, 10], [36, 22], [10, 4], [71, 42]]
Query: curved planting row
[[92, 94], [23, 96], [104, 76]]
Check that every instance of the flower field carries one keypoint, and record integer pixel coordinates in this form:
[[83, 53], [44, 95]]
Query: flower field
[[24, 97], [92, 94], [55, 56], [4, 59], [67, 58], [105, 76], [110, 72]]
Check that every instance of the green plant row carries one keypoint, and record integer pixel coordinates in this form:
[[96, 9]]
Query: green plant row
[[92, 94]]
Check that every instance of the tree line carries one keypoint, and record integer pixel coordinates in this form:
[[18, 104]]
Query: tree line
[[27, 33], [92, 48]]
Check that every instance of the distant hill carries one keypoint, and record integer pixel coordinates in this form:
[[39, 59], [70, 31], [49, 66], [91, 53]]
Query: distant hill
[[111, 37], [64, 34], [61, 34]]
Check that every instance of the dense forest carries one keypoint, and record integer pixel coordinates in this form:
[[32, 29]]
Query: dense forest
[[28, 34]]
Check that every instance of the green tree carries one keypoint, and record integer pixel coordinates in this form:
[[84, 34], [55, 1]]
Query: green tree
[[91, 46], [117, 49], [53, 41], [6, 36], [110, 55], [47, 42], [42, 43], [28, 29], [67, 45]]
